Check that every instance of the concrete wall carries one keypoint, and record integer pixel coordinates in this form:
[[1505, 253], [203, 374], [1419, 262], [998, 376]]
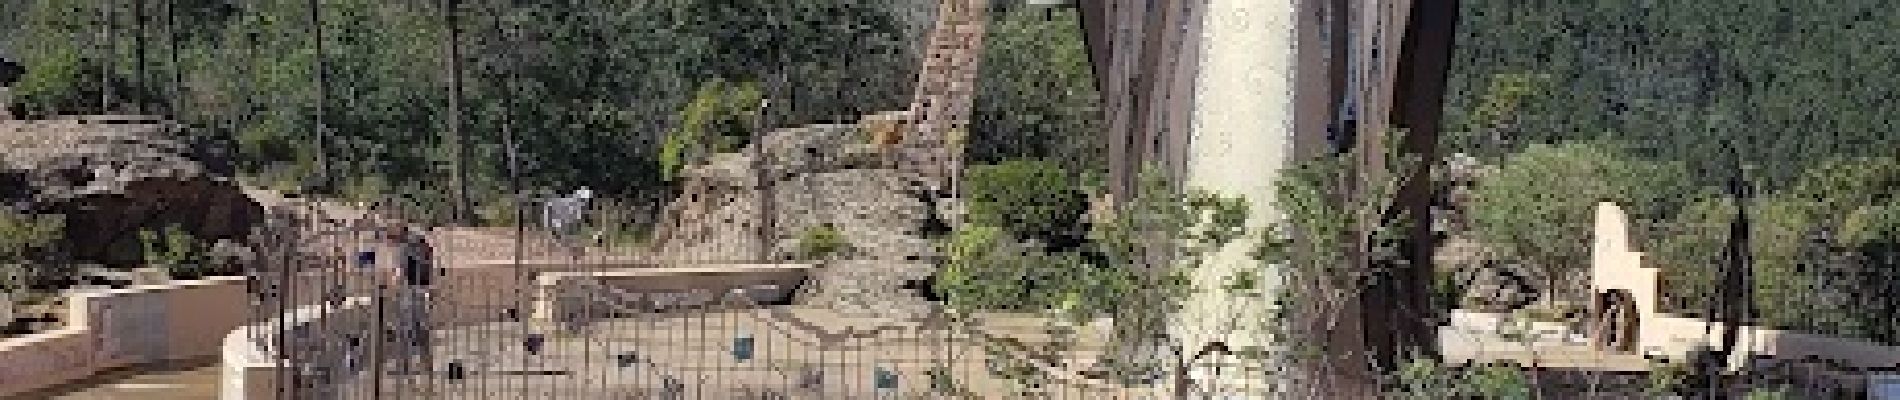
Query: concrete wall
[[571, 297], [125, 327], [253, 355]]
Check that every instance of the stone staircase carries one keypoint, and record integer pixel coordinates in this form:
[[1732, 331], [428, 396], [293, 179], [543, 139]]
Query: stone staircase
[[946, 86]]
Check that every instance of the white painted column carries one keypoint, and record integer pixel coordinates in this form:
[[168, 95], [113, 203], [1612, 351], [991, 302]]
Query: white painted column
[[1242, 132]]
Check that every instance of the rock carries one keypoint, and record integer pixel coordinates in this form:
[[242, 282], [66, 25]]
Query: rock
[[110, 177], [868, 289], [818, 148], [877, 211], [1499, 286], [821, 175]]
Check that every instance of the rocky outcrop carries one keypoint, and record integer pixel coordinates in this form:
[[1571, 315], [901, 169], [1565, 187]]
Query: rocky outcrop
[[818, 177], [832, 178], [110, 177]]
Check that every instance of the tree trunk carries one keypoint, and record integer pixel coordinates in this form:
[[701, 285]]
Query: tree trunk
[[462, 209]]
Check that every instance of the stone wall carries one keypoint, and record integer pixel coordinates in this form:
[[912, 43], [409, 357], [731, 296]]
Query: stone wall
[[565, 298]]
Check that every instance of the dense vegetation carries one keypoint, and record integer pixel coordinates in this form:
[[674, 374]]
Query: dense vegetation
[[1674, 99], [400, 98], [582, 92]]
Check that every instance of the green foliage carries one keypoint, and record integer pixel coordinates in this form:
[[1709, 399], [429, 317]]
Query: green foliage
[[174, 249], [1030, 199], [1668, 379], [819, 242], [1498, 108], [1122, 270], [1312, 242], [1540, 205], [1817, 249], [585, 90], [1677, 79], [827, 32], [1036, 97], [1427, 379], [718, 120], [23, 236], [25, 240], [989, 270]]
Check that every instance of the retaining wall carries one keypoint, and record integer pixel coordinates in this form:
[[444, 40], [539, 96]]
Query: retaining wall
[[125, 327], [572, 297]]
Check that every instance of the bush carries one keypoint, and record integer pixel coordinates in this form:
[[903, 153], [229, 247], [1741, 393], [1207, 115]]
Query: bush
[[23, 237], [719, 118], [1669, 378], [1037, 98], [988, 270], [1029, 199], [1424, 378], [177, 251], [819, 242]]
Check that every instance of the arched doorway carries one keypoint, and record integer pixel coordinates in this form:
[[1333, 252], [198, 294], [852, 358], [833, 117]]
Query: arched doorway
[[1614, 322]]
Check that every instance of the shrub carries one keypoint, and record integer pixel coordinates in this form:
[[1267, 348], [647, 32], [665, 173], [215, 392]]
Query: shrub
[[25, 236], [1499, 382], [988, 270], [1669, 378], [717, 120], [176, 250], [1030, 199], [1424, 378], [821, 241]]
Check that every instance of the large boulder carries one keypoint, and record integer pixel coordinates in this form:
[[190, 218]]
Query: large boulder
[[111, 177]]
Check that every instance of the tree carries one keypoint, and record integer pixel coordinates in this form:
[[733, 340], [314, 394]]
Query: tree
[[720, 117], [1028, 198], [1036, 97], [1114, 275], [1540, 204], [768, 41]]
